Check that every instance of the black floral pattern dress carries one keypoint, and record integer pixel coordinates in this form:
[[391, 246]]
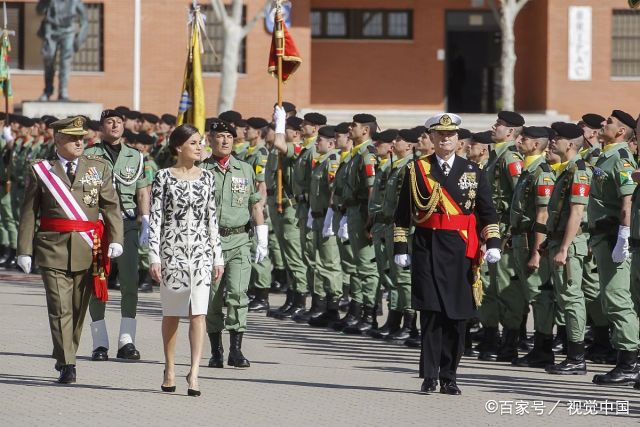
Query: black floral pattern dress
[[184, 239]]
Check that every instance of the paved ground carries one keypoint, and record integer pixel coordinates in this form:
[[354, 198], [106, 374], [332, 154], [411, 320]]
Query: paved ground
[[299, 376]]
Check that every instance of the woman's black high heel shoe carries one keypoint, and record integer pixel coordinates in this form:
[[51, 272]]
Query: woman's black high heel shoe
[[191, 392], [168, 389]]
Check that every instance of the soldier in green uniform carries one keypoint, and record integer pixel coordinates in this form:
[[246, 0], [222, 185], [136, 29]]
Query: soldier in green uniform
[[375, 227], [256, 155], [609, 212], [143, 143], [478, 148], [131, 184], [286, 149], [327, 289], [302, 168], [344, 144], [238, 203], [9, 227], [503, 293], [400, 292], [600, 351], [359, 179], [567, 243], [528, 218], [65, 256], [160, 152]]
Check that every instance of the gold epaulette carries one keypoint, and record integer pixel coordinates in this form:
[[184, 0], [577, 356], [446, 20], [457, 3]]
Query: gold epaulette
[[400, 234], [491, 231]]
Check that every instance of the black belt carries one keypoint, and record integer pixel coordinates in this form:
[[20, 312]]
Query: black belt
[[226, 231], [605, 226]]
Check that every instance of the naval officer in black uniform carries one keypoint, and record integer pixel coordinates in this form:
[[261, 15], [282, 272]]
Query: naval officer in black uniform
[[448, 200]]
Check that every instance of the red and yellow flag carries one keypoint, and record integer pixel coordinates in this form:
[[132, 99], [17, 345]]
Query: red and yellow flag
[[282, 45]]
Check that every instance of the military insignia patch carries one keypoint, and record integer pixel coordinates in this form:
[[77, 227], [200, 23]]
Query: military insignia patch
[[129, 172], [467, 181], [239, 185]]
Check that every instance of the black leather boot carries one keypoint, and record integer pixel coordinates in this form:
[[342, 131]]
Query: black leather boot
[[330, 315], [144, 282], [394, 318], [540, 356], [217, 351], [4, 254], [236, 358], [365, 323], [319, 309], [415, 338], [318, 305], [560, 341], [351, 318], [404, 333], [299, 302], [523, 341], [574, 364], [344, 301], [488, 347], [11, 259], [600, 350], [509, 349], [278, 281], [284, 307], [625, 372], [478, 335], [469, 351], [112, 281], [261, 301]]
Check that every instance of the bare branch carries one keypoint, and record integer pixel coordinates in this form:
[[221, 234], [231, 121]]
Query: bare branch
[[236, 11], [247, 28], [219, 10]]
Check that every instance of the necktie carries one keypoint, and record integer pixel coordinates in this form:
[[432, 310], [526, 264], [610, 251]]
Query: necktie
[[71, 171], [445, 168]]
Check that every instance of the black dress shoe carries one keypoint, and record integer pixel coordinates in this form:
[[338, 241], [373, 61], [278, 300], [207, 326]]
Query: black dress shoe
[[100, 355], [67, 374], [128, 351], [449, 387], [471, 352], [145, 287], [429, 385]]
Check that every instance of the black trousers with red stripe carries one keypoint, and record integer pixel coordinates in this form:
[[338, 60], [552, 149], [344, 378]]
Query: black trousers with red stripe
[[442, 345]]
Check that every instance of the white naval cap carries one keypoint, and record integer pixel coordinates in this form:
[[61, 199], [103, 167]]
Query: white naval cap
[[443, 121]]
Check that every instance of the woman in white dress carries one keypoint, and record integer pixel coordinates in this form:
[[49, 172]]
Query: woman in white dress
[[184, 248]]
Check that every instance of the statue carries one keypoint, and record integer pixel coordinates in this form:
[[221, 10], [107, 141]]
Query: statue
[[59, 35]]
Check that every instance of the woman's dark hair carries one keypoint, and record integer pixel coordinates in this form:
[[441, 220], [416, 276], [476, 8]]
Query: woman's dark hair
[[179, 136]]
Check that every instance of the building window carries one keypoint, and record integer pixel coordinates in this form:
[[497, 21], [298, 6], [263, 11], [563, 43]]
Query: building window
[[362, 24], [213, 63], [26, 46], [625, 49]]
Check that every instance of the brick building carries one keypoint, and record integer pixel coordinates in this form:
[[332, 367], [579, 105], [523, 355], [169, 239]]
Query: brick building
[[360, 54]]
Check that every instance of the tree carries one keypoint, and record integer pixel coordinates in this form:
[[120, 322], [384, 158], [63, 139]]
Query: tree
[[506, 15], [234, 32]]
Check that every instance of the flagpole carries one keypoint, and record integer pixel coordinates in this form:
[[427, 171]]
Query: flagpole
[[7, 120], [279, 36]]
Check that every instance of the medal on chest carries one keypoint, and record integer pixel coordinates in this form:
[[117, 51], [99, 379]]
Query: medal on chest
[[468, 181], [91, 199], [92, 177]]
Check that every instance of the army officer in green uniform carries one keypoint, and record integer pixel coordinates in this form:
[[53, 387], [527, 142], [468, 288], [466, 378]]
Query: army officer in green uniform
[[131, 184], [64, 256], [238, 206]]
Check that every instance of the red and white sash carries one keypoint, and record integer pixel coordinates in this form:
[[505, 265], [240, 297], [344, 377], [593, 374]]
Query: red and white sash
[[63, 196]]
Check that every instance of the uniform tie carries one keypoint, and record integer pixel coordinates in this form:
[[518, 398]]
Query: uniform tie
[[71, 171], [445, 168]]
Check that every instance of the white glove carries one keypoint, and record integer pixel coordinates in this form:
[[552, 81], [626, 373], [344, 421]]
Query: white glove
[[143, 239], [115, 250], [343, 231], [309, 220], [327, 228], [6, 134], [403, 260], [279, 118], [621, 251], [262, 250], [24, 262], [492, 255]]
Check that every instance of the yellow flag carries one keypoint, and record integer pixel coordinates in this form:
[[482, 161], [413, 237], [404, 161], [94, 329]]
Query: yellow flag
[[192, 109]]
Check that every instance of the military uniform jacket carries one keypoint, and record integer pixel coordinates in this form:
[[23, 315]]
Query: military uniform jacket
[[442, 276], [397, 174], [339, 182], [572, 187], [322, 176], [235, 194], [93, 190], [271, 172], [360, 175], [532, 191], [257, 157], [379, 186], [590, 155], [240, 150], [503, 170], [128, 174], [611, 181]]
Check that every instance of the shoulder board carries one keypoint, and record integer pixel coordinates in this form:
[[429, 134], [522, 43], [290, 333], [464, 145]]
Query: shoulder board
[[596, 152], [513, 148], [371, 149], [545, 167], [334, 156], [624, 153], [264, 151], [95, 158], [581, 165]]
